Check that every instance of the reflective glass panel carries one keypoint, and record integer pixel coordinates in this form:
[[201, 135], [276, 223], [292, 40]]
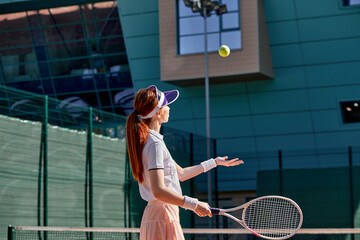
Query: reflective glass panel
[[63, 33], [101, 81], [19, 64], [191, 25], [213, 42], [67, 84], [232, 39], [105, 99], [231, 5], [82, 99], [354, 2], [68, 67], [31, 71], [90, 29], [123, 100], [109, 28], [191, 44], [87, 12], [17, 55], [183, 10], [119, 79], [61, 15], [212, 23], [112, 45], [230, 21], [67, 50], [105, 10], [13, 21], [32, 86], [115, 60], [15, 38]]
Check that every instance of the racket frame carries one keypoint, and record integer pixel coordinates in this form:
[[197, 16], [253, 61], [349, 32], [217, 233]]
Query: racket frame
[[224, 212]]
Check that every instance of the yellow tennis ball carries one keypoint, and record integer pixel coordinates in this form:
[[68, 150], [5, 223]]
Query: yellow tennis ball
[[224, 51]]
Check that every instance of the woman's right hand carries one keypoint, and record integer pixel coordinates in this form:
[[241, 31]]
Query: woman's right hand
[[203, 209]]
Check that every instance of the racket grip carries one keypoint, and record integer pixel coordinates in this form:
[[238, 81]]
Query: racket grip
[[215, 211]]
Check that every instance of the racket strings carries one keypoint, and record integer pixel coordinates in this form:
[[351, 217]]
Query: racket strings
[[273, 217]]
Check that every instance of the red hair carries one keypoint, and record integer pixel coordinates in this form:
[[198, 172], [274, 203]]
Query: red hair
[[137, 130]]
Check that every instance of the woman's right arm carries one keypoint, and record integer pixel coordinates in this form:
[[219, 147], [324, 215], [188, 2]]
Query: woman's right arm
[[166, 195], [192, 171]]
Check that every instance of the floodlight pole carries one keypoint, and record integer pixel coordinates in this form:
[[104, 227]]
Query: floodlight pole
[[205, 7]]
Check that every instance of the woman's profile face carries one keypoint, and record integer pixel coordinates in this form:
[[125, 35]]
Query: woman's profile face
[[164, 114]]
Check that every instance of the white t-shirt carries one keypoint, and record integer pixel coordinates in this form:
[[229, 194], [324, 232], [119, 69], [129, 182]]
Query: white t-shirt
[[157, 156]]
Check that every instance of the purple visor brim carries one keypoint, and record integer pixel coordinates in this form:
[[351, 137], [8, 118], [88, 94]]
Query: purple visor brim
[[170, 96]]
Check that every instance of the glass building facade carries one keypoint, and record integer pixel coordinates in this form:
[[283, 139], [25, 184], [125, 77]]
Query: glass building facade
[[74, 53]]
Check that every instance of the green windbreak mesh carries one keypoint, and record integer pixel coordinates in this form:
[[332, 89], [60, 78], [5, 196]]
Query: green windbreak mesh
[[19, 159], [66, 177], [109, 177], [69, 154]]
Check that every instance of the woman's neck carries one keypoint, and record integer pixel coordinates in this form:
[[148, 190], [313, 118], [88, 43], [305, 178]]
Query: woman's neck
[[155, 126]]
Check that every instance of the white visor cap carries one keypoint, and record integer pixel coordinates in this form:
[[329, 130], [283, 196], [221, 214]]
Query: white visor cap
[[164, 98]]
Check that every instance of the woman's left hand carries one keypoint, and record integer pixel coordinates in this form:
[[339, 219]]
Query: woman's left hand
[[228, 163]]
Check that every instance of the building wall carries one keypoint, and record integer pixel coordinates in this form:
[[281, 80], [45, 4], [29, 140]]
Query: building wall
[[315, 49], [245, 64]]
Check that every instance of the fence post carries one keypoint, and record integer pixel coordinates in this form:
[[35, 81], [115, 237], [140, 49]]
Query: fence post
[[351, 190], [280, 172], [11, 231], [40, 175], [128, 219], [192, 219], [45, 136], [128, 201], [216, 184], [90, 168]]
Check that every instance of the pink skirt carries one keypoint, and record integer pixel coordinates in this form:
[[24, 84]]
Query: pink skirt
[[161, 221]]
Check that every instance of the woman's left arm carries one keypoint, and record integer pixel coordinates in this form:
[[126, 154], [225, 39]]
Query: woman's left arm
[[190, 172]]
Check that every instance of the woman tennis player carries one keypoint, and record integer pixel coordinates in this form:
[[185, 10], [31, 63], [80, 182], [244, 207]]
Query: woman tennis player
[[155, 170]]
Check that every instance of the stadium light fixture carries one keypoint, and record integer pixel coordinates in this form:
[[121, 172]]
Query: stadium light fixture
[[221, 9], [188, 3]]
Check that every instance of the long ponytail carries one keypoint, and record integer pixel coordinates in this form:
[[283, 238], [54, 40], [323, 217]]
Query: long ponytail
[[137, 130]]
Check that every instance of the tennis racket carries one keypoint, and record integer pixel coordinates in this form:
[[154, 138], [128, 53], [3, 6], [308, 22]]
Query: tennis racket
[[269, 217]]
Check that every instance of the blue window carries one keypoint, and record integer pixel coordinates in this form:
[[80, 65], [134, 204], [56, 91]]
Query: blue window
[[351, 2], [222, 29]]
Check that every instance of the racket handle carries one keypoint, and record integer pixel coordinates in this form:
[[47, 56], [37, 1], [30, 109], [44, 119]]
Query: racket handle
[[215, 211]]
